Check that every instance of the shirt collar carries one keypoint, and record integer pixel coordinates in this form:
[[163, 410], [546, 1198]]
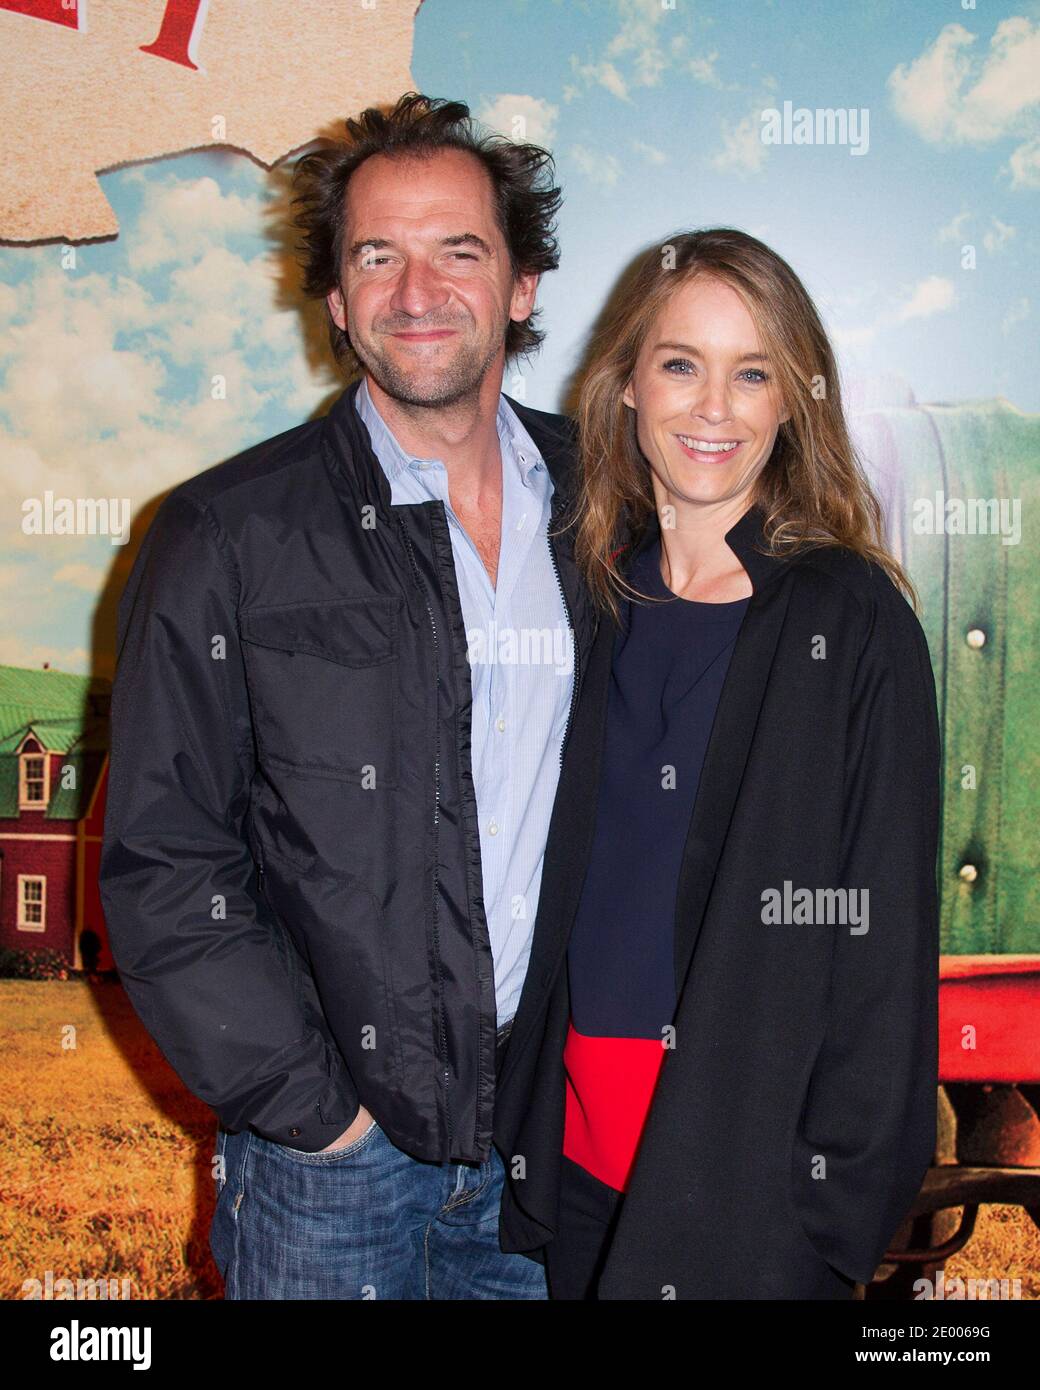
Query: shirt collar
[[515, 442]]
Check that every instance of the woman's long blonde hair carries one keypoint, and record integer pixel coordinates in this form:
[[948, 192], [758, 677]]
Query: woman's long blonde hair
[[813, 490]]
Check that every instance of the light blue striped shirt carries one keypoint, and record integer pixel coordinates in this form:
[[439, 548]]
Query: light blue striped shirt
[[522, 671]]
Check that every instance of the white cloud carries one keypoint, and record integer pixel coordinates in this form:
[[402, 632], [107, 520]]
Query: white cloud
[[954, 229], [639, 37], [742, 149], [522, 118], [67, 382], [28, 603], [933, 295], [850, 295], [954, 94], [703, 69], [649, 153], [602, 74], [926, 92], [182, 218], [846, 338], [1008, 84], [642, 49], [105, 384], [999, 235], [601, 169], [994, 240], [1024, 165], [16, 651], [1016, 314], [81, 576], [227, 293]]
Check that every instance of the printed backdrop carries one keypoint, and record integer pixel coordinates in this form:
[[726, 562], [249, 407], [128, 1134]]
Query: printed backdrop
[[151, 325]]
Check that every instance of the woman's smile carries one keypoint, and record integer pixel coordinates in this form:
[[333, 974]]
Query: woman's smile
[[707, 451]]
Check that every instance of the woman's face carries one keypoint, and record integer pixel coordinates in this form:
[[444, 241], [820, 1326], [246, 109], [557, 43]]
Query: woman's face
[[701, 379]]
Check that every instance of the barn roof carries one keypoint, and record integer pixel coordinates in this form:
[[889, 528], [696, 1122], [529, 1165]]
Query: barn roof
[[39, 695], [66, 713]]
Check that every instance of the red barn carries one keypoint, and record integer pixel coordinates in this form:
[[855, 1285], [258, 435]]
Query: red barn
[[53, 770]]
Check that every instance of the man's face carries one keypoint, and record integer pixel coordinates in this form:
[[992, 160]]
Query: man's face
[[427, 288]]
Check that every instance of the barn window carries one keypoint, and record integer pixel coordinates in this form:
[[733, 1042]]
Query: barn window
[[32, 902], [33, 779]]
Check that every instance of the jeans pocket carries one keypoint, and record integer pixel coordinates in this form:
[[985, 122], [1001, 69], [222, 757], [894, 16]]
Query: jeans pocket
[[228, 1179], [333, 1156]]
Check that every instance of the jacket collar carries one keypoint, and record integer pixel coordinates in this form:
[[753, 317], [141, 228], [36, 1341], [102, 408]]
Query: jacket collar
[[746, 538], [349, 450]]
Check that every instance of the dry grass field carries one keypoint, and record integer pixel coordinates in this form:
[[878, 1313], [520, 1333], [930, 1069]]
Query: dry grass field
[[105, 1169], [105, 1172]]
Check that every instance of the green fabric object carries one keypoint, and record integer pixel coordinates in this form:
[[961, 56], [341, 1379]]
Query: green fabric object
[[989, 700]]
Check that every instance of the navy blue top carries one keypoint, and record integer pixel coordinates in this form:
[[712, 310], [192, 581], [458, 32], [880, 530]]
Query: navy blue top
[[669, 663]]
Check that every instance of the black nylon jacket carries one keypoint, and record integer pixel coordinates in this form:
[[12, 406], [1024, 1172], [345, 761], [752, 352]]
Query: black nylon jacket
[[291, 868]]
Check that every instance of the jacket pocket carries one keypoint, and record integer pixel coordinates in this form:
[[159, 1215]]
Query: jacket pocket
[[323, 686]]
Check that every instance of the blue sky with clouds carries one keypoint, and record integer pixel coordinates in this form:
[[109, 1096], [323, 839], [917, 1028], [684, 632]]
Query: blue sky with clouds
[[653, 112]]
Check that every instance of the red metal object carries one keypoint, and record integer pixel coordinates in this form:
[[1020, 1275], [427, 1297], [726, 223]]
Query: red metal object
[[989, 1018]]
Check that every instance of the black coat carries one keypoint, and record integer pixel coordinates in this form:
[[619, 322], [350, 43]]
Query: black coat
[[291, 862], [800, 1049]]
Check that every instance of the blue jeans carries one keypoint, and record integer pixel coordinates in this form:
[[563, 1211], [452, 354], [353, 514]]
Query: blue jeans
[[365, 1221]]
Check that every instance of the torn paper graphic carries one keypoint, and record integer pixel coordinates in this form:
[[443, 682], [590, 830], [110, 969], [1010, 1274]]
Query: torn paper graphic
[[92, 86]]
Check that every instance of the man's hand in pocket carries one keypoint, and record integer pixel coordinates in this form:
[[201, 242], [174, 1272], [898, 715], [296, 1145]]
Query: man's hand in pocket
[[360, 1123]]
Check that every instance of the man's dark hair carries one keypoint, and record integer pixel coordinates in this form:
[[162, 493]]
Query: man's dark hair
[[526, 199]]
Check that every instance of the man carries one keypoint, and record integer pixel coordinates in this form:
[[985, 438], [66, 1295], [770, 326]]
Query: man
[[347, 662]]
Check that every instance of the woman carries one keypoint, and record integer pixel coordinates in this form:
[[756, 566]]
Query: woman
[[731, 1079]]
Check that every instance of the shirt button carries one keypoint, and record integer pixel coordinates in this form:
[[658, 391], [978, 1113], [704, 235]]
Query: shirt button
[[500, 724], [976, 638], [493, 828]]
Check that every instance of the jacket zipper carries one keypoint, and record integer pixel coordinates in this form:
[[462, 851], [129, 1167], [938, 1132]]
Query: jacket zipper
[[436, 821], [574, 636]]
